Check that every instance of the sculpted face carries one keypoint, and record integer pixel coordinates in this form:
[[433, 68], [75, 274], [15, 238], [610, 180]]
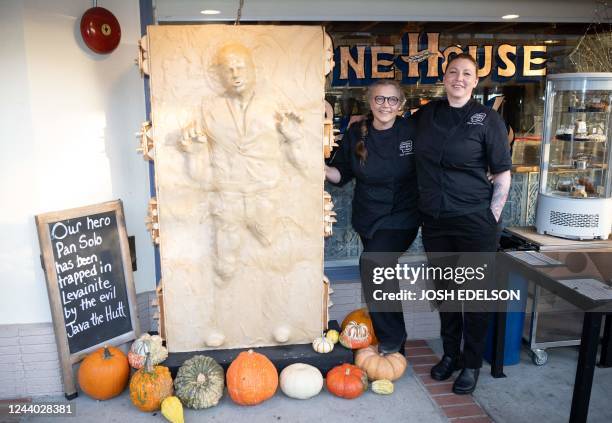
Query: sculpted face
[[236, 70]]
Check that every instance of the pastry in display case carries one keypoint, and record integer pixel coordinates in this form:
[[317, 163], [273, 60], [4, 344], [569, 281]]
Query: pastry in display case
[[575, 198]]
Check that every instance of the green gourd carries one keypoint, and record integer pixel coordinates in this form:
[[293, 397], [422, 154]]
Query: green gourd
[[199, 382]]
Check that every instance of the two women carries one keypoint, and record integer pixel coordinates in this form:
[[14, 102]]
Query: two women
[[449, 147]]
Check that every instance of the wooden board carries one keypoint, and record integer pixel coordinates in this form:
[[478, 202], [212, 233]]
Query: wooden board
[[86, 259], [548, 242]]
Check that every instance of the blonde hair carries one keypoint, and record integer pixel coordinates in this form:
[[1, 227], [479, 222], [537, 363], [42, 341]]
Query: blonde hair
[[360, 149]]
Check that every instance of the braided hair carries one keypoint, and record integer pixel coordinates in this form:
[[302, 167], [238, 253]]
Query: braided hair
[[361, 150]]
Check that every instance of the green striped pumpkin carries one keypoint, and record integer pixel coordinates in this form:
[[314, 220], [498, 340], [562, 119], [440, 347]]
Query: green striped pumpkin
[[199, 382]]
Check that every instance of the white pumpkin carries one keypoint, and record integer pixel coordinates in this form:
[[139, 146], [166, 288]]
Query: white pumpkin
[[322, 345], [301, 381]]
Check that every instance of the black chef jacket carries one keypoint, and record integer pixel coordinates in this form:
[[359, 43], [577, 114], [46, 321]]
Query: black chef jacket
[[385, 191], [454, 149]]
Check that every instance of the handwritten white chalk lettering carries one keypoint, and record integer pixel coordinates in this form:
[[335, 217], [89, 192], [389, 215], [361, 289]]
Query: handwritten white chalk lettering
[[87, 303], [108, 296], [84, 261], [85, 242], [63, 250], [117, 313], [74, 328], [96, 319], [64, 267], [61, 230], [105, 268], [69, 313], [77, 277], [98, 223], [92, 288]]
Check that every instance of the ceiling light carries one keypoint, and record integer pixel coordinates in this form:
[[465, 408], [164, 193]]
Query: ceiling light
[[511, 16], [551, 42], [210, 12]]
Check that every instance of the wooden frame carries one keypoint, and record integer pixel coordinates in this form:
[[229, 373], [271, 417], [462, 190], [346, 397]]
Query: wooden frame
[[67, 359]]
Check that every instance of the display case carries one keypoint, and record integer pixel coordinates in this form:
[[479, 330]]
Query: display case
[[575, 198]]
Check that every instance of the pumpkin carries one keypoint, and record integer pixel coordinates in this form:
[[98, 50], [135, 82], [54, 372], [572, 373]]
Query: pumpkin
[[382, 387], [147, 344], [104, 373], [322, 345], [251, 378], [361, 315], [355, 335], [150, 386], [172, 410], [199, 382], [333, 336], [378, 366], [347, 381], [301, 381]]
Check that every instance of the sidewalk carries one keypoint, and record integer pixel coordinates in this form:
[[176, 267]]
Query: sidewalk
[[528, 394]]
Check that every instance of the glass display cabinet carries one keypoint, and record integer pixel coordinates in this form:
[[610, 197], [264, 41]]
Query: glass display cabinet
[[575, 198]]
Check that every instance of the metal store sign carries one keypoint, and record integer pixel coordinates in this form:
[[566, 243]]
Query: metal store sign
[[422, 61]]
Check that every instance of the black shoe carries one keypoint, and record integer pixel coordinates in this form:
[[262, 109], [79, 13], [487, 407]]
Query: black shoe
[[444, 369], [466, 381]]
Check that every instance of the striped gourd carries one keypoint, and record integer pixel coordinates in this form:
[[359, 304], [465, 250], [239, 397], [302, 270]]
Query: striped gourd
[[199, 382]]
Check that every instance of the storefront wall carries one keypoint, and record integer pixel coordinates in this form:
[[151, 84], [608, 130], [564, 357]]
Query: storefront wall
[[67, 124]]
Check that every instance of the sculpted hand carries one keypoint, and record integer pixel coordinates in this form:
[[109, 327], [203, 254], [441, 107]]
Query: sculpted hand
[[190, 134], [289, 124]]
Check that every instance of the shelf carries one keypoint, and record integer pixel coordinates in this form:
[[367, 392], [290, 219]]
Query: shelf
[[567, 169], [596, 112], [556, 138]]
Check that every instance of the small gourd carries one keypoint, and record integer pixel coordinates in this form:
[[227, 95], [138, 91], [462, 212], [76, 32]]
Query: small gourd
[[382, 387], [355, 335], [199, 382], [150, 386], [172, 410], [322, 345], [152, 344], [333, 336]]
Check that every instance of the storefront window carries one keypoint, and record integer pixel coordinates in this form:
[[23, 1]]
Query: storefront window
[[514, 59]]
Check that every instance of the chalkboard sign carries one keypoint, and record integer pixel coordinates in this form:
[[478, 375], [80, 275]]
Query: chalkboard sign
[[86, 257]]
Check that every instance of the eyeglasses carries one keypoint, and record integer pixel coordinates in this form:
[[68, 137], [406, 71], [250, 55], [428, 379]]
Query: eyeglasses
[[392, 100]]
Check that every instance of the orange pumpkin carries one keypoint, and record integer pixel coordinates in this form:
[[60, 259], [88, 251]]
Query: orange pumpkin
[[251, 378], [346, 381], [377, 366], [150, 386], [361, 315], [355, 335], [104, 373]]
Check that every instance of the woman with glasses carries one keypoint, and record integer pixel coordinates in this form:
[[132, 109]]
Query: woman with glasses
[[458, 141], [378, 153]]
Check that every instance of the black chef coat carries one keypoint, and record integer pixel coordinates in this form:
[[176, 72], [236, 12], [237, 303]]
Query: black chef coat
[[454, 149], [385, 191]]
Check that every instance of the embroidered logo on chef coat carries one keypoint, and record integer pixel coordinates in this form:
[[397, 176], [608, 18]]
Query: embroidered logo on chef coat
[[477, 119], [405, 148]]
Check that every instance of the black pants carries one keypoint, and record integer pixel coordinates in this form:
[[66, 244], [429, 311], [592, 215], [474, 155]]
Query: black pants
[[387, 317], [475, 232]]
